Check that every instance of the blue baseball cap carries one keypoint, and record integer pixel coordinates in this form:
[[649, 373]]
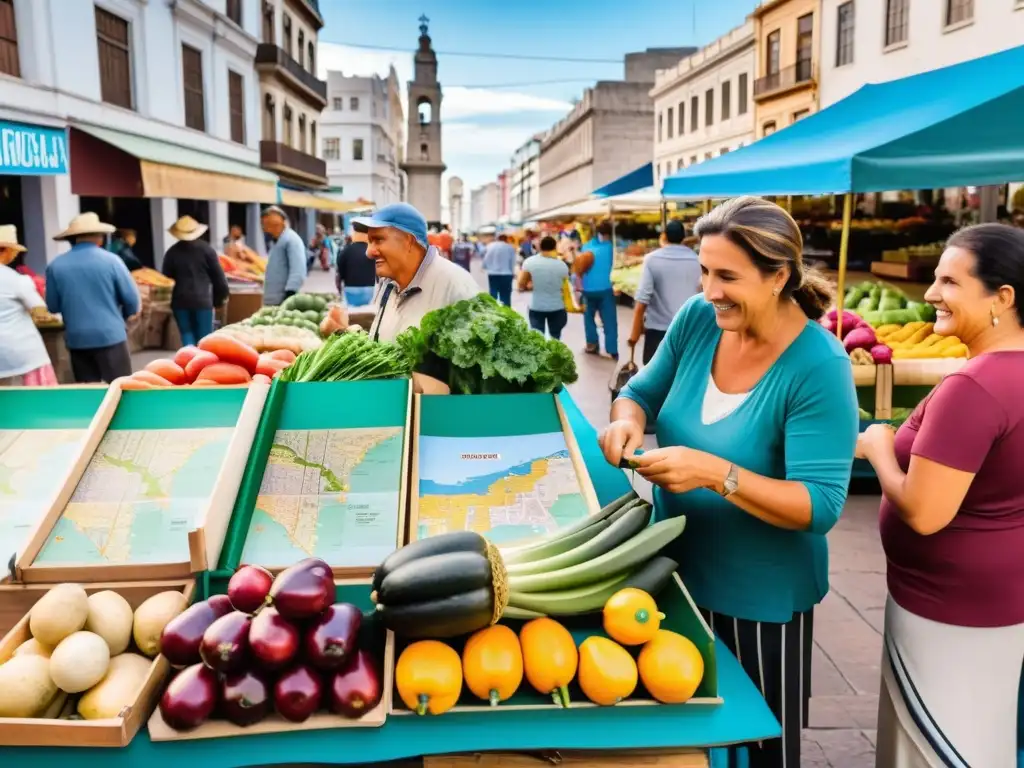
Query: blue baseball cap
[[400, 216]]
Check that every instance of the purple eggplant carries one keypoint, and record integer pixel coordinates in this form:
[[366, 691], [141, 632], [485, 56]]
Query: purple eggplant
[[331, 639], [225, 644], [245, 698], [190, 699], [304, 590]]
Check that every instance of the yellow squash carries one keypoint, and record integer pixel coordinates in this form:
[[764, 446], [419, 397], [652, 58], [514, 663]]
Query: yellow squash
[[607, 672], [492, 664], [671, 667], [428, 677], [631, 616], [550, 658]]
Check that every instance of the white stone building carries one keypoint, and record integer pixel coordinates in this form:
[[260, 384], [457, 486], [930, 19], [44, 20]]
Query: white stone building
[[362, 136], [872, 41], [702, 105], [524, 190], [424, 163], [137, 110], [484, 206], [455, 204]]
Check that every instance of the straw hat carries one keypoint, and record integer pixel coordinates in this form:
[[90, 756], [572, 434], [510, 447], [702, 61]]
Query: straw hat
[[9, 238], [85, 224], [187, 228]]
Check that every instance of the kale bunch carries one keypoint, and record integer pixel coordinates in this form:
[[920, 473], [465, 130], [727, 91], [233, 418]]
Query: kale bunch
[[477, 346]]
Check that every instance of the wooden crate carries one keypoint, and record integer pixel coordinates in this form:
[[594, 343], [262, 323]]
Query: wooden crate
[[635, 758], [116, 732]]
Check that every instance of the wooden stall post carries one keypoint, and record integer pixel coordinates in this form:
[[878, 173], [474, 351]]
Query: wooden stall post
[[883, 392], [844, 248]]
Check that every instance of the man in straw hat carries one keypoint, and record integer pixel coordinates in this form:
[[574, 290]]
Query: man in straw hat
[[199, 281], [94, 292], [23, 356], [286, 260]]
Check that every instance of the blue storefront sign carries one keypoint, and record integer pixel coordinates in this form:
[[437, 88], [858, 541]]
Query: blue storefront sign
[[32, 150]]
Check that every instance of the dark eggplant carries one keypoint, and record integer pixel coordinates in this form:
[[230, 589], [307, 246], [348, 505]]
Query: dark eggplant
[[653, 576], [458, 541], [191, 698], [333, 637], [438, 619], [434, 577], [245, 698], [249, 587], [273, 640], [179, 642], [304, 590], [225, 644], [356, 689], [297, 694]]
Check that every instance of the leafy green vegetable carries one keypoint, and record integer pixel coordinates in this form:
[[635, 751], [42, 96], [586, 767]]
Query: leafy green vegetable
[[349, 357], [481, 347]]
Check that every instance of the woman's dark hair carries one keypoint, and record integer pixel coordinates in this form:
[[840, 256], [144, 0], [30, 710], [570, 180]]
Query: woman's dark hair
[[772, 240], [604, 229], [998, 251], [547, 243]]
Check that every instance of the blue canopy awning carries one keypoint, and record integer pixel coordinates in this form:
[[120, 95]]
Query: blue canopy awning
[[950, 127], [639, 178]]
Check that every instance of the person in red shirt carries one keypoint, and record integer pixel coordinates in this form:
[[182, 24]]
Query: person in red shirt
[[952, 525]]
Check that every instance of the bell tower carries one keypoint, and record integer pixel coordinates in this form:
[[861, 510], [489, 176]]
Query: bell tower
[[423, 164]]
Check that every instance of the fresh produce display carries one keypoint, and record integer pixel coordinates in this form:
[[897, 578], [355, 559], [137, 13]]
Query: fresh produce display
[[627, 279], [485, 347], [273, 338], [428, 677], [631, 616], [880, 304], [307, 313], [242, 263], [492, 664], [350, 357], [550, 658], [151, 278], [219, 359], [457, 583], [271, 645], [918, 340], [80, 662]]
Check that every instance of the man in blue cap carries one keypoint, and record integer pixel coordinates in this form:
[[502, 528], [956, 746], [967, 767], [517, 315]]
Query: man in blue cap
[[413, 278]]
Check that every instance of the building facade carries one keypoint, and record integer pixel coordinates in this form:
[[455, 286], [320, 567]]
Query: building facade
[[455, 203], [524, 192], [361, 137], [484, 206], [702, 104], [149, 111], [423, 158], [787, 36], [872, 41]]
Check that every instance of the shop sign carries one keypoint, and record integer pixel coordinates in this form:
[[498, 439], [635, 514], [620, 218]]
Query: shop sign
[[32, 150]]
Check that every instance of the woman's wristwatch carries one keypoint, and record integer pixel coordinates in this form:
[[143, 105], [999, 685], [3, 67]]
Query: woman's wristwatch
[[732, 481]]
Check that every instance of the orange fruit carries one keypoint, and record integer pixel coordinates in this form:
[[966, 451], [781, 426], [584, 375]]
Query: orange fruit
[[631, 616], [670, 667], [607, 672]]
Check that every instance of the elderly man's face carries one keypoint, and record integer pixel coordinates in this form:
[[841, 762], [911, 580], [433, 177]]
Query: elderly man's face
[[273, 225], [393, 252]]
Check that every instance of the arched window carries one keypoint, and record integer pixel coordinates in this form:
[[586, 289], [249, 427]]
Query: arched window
[[269, 118], [424, 152], [311, 56], [425, 110], [769, 128], [302, 47]]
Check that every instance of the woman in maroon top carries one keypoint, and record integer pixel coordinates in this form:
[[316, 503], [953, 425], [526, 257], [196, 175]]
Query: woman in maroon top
[[952, 525]]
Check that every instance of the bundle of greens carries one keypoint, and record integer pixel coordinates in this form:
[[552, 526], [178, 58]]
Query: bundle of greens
[[478, 346], [349, 357]]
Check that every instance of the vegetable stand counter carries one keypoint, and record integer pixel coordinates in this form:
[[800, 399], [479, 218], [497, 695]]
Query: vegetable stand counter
[[743, 716]]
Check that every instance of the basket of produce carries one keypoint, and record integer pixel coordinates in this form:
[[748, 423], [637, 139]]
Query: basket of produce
[[292, 652], [154, 284]]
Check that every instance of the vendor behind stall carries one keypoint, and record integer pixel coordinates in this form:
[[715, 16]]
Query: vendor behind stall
[[413, 277], [286, 260]]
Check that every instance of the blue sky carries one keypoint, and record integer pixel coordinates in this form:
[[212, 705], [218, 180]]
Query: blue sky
[[492, 105]]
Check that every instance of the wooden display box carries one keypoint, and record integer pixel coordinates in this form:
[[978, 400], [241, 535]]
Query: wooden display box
[[242, 306], [116, 732], [373, 632], [681, 615]]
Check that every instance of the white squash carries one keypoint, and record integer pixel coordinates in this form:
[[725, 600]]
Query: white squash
[[59, 613], [117, 690], [152, 616], [111, 617], [32, 647], [79, 662], [26, 689]]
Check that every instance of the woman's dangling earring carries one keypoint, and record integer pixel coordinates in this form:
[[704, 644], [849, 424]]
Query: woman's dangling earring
[[776, 292], [995, 318]]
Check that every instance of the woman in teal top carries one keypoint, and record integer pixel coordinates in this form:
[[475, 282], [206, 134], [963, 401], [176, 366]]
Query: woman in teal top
[[756, 416]]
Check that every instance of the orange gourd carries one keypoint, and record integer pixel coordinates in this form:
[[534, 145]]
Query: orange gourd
[[671, 667], [550, 658], [608, 673], [631, 617], [492, 664], [428, 677]]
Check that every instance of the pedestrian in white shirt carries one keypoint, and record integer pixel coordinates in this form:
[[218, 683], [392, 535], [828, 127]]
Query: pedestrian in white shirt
[[24, 360]]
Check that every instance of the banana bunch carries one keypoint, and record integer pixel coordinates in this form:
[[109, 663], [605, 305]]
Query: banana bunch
[[575, 570]]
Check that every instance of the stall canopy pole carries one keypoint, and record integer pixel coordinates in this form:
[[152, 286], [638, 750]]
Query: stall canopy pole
[[844, 247], [611, 215]]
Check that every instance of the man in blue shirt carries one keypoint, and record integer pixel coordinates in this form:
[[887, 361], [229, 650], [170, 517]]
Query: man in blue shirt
[[286, 261], [94, 293], [594, 266], [500, 266]]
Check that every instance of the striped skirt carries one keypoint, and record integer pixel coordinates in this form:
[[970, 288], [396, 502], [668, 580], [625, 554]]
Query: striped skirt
[[949, 694], [777, 658]]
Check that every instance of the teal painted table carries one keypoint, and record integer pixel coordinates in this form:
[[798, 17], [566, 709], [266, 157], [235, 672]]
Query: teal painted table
[[743, 717]]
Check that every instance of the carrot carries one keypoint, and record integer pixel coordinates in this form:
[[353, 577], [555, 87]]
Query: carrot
[[231, 351], [198, 363], [204, 383], [281, 354], [169, 370], [259, 377], [129, 384], [225, 373], [270, 366], [184, 355], [151, 378]]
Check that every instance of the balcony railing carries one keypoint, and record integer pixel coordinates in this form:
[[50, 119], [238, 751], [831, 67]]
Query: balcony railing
[[801, 73], [277, 156], [268, 54]]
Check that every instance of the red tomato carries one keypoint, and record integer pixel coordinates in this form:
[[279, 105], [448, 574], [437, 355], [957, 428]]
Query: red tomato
[[184, 355], [225, 373], [196, 364], [281, 354], [231, 351], [269, 366], [151, 378], [169, 370]]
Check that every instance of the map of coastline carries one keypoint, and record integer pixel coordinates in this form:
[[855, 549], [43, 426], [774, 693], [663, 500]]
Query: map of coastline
[[32, 463], [330, 493], [506, 488], [139, 498]]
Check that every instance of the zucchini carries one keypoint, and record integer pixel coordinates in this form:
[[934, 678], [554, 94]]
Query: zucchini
[[438, 619], [579, 525], [520, 613], [556, 547], [434, 577], [459, 541], [653, 577], [569, 602]]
